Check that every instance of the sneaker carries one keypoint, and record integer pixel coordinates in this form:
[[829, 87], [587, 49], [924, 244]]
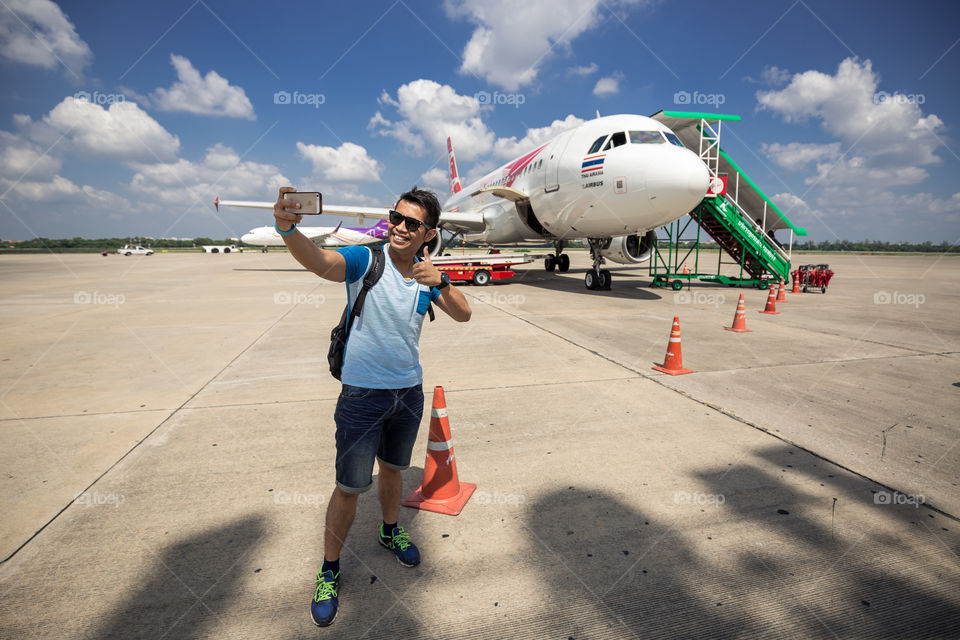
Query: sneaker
[[323, 609], [399, 542]]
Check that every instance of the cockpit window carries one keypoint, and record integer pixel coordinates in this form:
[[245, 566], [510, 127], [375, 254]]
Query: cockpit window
[[646, 137], [673, 139], [617, 139], [596, 145]]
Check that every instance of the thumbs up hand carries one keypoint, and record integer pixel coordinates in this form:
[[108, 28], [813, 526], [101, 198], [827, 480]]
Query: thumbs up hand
[[425, 272]]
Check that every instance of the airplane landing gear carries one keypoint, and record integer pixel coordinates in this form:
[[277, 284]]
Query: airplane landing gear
[[597, 279], [560, 261]]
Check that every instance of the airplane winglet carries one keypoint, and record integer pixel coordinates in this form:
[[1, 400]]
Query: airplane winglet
[[216, 204]]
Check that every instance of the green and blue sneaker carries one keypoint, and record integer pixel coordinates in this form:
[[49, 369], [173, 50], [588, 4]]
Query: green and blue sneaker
[[323, 608], [399, 542]]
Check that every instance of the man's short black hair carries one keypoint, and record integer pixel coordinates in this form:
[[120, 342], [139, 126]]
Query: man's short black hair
[[427, 200]]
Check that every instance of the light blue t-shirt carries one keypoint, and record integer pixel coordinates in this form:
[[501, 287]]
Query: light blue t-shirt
[[383, 348]]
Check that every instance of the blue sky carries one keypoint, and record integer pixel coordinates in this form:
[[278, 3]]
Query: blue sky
[[128, 118]]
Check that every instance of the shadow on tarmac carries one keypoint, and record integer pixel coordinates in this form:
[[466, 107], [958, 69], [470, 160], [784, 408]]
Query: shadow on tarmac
[[202, 568], [620, 573], [608, 570]]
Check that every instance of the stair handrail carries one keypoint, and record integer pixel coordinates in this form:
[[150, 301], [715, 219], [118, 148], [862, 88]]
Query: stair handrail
[[758, 228]]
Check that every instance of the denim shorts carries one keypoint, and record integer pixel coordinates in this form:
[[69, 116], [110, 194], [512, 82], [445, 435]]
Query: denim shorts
[[374, 423]]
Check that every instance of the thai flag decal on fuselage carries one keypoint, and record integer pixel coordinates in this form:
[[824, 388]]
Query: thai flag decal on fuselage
[[592, 163]]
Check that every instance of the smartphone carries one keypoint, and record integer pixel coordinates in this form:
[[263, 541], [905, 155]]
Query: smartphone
[[311, 202]]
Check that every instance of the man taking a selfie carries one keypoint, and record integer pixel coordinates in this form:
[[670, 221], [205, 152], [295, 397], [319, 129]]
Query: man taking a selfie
[[381, 403]]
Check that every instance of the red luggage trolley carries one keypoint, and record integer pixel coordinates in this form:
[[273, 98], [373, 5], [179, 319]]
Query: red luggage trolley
[[813, 276]]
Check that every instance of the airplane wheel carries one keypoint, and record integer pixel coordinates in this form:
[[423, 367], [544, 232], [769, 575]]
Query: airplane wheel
[[590, 280], [605, 279], [550, 263], [481, 278], [564, 262]]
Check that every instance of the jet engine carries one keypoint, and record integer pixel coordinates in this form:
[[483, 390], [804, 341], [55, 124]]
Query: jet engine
[[630, 249]]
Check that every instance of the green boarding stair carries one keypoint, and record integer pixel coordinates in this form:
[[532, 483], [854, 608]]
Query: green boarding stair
[[741, 220], [741, 240]]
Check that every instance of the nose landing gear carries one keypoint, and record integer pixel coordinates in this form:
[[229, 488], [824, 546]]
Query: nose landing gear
[[597, 279]]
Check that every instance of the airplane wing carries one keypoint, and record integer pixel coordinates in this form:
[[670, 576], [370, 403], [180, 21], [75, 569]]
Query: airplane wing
[[378, 213], [450, 220], [507, 193]]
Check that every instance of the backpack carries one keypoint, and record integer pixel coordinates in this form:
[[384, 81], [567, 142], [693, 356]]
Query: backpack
[[338, 336]]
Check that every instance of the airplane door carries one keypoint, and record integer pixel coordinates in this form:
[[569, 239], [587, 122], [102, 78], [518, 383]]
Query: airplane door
[[551, 174]]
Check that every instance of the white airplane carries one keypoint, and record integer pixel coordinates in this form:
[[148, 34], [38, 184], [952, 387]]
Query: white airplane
[[610, 181]]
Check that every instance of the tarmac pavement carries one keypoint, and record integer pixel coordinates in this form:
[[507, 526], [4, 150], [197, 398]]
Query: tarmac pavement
[[167, 438]]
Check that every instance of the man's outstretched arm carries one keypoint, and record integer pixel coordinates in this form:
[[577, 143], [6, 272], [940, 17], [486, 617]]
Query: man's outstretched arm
[[329, 265]]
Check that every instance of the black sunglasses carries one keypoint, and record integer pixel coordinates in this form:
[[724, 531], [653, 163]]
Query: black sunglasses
[[413, 225]]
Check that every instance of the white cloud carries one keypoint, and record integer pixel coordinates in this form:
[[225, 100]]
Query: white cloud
[[37, 32], [349, 162], [430, 113], [512, 40], [851, 108], [62, 190], [123, 130], [583, 70], [511, 147], [435, 178], [884, 141], [222, 172], [608, 86], [210, 95], [796, 155], [774, 75], [22, 159]]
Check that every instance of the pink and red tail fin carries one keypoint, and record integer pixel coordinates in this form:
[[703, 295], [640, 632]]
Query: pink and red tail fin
[[454, 176]]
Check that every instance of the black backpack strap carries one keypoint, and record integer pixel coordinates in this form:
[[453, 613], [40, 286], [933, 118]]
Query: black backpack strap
[[373, 274]]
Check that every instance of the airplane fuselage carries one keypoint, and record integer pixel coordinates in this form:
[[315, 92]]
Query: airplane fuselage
[[613, 176]]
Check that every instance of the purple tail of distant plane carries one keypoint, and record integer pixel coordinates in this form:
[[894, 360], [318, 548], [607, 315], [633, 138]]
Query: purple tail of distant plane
[[378, 230]]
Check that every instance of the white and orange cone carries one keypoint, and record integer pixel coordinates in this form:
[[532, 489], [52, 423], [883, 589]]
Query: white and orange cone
[[796, 286], [781, 297], [441, 490], [771, 307], [740, 318], [673, 361]]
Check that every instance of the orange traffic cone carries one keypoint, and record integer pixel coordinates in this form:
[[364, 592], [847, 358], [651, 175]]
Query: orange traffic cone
[[780, 292], [739, 319], [771, 303], [673, 361], [441, 491], [796, 286], [684, 269]]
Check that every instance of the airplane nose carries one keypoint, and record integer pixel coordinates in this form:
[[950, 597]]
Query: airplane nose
[[678, 183]]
